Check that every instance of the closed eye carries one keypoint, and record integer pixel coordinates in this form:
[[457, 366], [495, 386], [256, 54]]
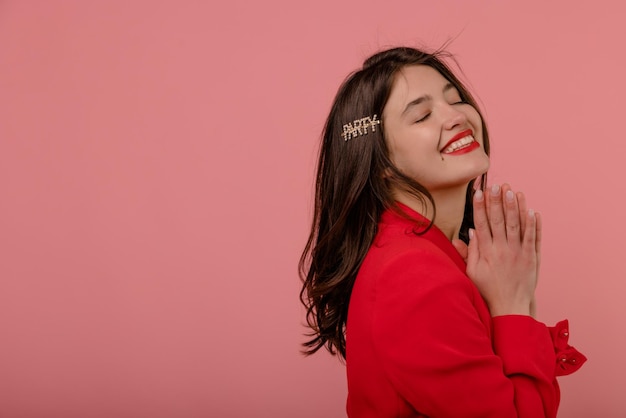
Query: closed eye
[[423, 119]]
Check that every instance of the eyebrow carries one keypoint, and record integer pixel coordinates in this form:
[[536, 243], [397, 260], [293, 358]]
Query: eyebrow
[[425, 97]]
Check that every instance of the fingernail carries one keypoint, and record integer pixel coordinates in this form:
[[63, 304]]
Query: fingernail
[[478, 195], [495, 189], [471, 233], [509, 195], [531, 213]]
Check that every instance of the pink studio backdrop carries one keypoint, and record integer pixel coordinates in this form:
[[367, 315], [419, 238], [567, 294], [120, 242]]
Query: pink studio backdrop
[[156, 170]]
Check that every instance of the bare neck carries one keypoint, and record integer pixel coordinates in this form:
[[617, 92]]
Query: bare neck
[[450, 204]]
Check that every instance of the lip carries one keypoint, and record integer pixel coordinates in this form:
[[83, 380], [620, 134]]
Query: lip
[[471, 147], [456, 137]]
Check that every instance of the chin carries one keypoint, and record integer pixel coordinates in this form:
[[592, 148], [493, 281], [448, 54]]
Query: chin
[[473, 175], [481, 168]]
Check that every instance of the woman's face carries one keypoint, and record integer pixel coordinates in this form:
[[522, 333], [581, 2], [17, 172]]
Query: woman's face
[[432, 136]]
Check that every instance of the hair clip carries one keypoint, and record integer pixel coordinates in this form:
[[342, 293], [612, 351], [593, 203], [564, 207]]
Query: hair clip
[[359, 127]]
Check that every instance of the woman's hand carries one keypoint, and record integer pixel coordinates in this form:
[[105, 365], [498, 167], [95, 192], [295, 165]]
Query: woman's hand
[[504, 251]]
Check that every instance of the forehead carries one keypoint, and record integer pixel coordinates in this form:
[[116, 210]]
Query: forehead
[[417, 80], [412, 82]]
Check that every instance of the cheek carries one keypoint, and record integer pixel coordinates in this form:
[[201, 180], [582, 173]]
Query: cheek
[[476, 121]]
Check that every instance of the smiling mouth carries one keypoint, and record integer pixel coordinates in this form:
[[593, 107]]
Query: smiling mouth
[[464, 142]]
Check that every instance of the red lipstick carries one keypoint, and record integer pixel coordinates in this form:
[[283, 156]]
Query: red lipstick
[[464, 150], [456, 137]]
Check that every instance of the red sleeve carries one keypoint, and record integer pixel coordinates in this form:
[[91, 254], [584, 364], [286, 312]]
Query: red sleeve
[[568, 359], [439, 355]]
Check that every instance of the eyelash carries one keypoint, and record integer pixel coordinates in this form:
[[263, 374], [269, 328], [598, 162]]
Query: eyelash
[[426, 117], [422, 119]]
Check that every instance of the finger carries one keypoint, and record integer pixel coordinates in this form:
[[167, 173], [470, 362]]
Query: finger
[[481, 222], [511, 216], [496, 214], [472, 249], [487, 207], [529, 242], [538, 235], [523, 209]]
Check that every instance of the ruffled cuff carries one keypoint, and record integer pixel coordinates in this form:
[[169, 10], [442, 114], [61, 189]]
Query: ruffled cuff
[[568, 359]]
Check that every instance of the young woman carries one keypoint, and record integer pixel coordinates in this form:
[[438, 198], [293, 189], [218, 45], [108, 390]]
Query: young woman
[[428, 326]]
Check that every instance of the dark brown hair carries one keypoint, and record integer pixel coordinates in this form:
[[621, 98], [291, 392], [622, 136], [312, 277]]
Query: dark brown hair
[[354, 184]]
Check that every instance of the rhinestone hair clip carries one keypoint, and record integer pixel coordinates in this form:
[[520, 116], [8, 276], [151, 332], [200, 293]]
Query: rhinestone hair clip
[[359, 127]]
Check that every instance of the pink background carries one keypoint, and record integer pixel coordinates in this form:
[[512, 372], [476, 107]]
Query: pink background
[[156, 169]]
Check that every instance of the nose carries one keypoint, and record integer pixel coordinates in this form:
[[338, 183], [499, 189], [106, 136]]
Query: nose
[[454, 117]]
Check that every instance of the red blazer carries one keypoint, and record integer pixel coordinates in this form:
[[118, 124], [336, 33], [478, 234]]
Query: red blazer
[[420, 341]]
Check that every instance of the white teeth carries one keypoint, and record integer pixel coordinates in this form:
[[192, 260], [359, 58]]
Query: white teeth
[[459, 144]]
